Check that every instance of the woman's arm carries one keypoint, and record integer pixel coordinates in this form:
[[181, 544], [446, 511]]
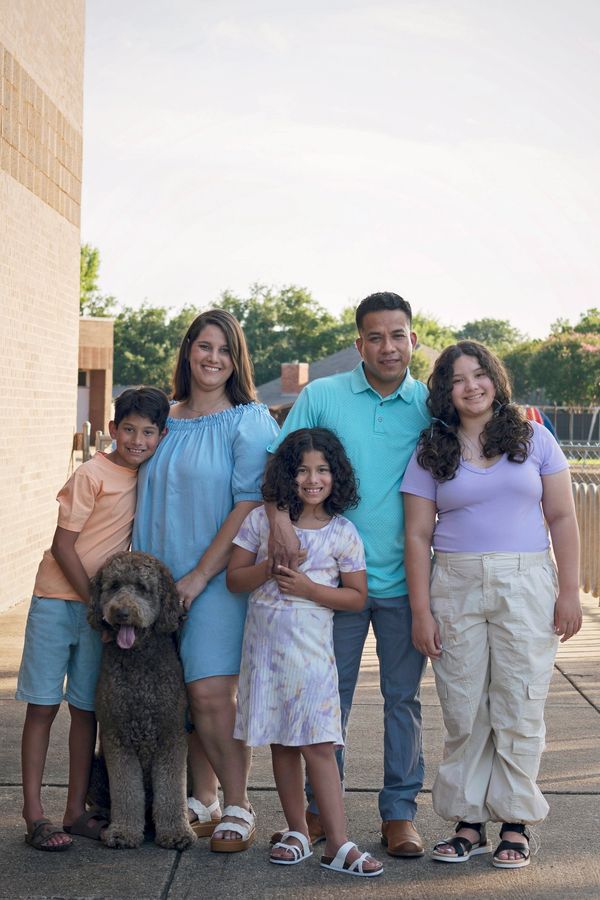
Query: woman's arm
[[419, 522], [243, 573], [352, 595], [216, 556], [559, 511]]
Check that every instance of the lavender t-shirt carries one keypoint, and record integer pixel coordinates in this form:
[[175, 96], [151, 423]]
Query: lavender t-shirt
[[491, 510]]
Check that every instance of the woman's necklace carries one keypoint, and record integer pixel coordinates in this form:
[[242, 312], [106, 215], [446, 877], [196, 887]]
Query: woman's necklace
[[216, 407], [476, 449]]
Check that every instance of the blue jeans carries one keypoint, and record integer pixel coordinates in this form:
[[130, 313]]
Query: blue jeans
[[401, 668]]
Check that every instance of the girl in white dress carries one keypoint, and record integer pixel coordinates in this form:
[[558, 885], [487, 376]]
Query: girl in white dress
[[288, 692]]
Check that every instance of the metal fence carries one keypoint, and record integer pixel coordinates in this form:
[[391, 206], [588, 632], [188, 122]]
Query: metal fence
[[574, 423], [584, 462]]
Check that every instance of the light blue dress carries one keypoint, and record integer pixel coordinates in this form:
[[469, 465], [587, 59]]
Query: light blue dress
[[201, 469]]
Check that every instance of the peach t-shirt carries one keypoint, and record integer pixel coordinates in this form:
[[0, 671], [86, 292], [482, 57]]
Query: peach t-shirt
[[98, 501]]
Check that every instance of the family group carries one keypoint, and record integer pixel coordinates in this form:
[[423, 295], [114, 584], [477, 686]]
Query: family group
[[423, 512]]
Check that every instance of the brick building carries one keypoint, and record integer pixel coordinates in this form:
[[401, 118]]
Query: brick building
[[41, 98]]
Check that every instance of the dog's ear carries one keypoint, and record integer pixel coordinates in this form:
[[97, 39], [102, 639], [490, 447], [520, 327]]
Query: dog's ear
[[170, 610], [94, 612]]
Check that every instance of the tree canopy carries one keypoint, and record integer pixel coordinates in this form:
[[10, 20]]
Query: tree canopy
[[91, 301], [497, 334], [286, 325]]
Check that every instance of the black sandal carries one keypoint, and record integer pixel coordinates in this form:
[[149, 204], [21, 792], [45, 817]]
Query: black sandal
[[464, 848], [523, 849]]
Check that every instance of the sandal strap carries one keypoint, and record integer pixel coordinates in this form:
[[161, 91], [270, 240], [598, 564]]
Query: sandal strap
[[203, 813], [298, 852], [340, 857], [476, 826], [238, 812], [358, 863], [523, 849], [299, 837], [462, 845], [515, 826]]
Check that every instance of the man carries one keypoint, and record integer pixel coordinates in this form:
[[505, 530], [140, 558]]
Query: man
[[378, 411]]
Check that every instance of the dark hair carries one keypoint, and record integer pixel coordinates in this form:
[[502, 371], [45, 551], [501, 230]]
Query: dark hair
[[149, 402], [378, 302], [240, 384], [279, 485], [507, 431]]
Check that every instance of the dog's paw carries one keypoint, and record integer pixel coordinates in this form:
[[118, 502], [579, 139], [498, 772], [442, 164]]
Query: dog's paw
[[176, 840], [120, 838]]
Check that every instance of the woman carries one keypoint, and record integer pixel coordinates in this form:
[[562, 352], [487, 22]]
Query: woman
[[478, 489], [192, 500]]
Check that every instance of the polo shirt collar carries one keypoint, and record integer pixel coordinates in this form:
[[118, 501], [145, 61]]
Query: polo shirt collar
[[359, 383]]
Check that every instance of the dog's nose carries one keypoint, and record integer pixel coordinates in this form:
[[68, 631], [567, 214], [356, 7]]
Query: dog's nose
[[122, 615]]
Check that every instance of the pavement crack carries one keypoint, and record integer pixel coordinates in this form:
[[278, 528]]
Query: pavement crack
[[577, 688]]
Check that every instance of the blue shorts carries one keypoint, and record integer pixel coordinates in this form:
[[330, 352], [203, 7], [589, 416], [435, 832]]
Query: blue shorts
[[59, 642]]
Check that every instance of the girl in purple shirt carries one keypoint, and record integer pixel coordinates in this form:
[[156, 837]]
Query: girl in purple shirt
[[480, 489]]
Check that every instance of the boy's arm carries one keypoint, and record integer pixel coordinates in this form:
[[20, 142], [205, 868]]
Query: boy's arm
[[352, 595], [243, 574], [64, 552]]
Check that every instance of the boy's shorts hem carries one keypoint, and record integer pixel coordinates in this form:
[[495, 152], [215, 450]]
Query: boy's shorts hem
[[59, 645], [24, 697]]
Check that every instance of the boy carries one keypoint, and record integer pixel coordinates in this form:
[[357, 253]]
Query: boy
[[95, 520]]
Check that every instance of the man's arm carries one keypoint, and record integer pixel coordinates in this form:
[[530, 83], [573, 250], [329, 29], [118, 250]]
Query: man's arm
[[283, 544]]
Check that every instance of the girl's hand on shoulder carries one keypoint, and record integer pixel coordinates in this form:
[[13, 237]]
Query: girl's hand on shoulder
[[568, 616], [426, 635], [190, 586], [290, 581]]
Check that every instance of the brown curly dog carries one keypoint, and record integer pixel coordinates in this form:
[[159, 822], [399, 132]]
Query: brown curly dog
[[141, 700]]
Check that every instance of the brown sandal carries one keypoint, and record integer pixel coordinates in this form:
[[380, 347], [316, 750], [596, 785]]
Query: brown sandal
[[89, 824], [40, 831]]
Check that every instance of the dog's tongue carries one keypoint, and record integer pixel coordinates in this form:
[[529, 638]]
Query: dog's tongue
[[126, 637]]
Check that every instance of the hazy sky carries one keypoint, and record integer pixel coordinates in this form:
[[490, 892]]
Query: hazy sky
[[443, 149]]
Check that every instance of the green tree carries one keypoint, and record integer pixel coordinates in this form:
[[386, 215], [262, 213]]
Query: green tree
[[91, 301], [286, 325], [589, 323], [431, 332], [520, 363], [146, 344], [497, 334], [563, 369], [567, 368]]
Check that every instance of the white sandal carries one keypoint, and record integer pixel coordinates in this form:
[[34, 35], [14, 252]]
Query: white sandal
[[338, 862], [298, 853], [204, 823], [247, 832]]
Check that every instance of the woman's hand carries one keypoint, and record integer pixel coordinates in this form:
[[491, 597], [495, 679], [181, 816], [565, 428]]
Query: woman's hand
[[290, 581], [190, 586], [568, 617], [426, 634]]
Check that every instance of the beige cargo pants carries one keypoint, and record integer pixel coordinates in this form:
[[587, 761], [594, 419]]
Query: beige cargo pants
[[495, 615]]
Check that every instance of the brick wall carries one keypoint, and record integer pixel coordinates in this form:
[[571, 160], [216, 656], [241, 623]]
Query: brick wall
[[41, 75]]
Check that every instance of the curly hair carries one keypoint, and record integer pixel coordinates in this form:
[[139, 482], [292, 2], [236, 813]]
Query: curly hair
[[508, 431], [279, 485]]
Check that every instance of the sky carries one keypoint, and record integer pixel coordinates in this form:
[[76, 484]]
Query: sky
[[446, 150]]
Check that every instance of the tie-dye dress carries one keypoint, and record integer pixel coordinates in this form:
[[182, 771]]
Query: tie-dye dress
[[288, 691]]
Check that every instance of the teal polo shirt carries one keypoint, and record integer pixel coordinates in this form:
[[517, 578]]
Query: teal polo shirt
[[379, 434]]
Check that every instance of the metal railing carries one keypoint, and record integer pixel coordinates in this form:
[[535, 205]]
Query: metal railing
[[584, 462]]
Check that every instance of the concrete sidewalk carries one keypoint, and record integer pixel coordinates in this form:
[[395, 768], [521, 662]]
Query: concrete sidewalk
[[566, 867]]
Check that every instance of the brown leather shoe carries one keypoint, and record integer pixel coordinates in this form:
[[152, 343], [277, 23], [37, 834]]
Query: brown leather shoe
[[315, 830], [401, 838]]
